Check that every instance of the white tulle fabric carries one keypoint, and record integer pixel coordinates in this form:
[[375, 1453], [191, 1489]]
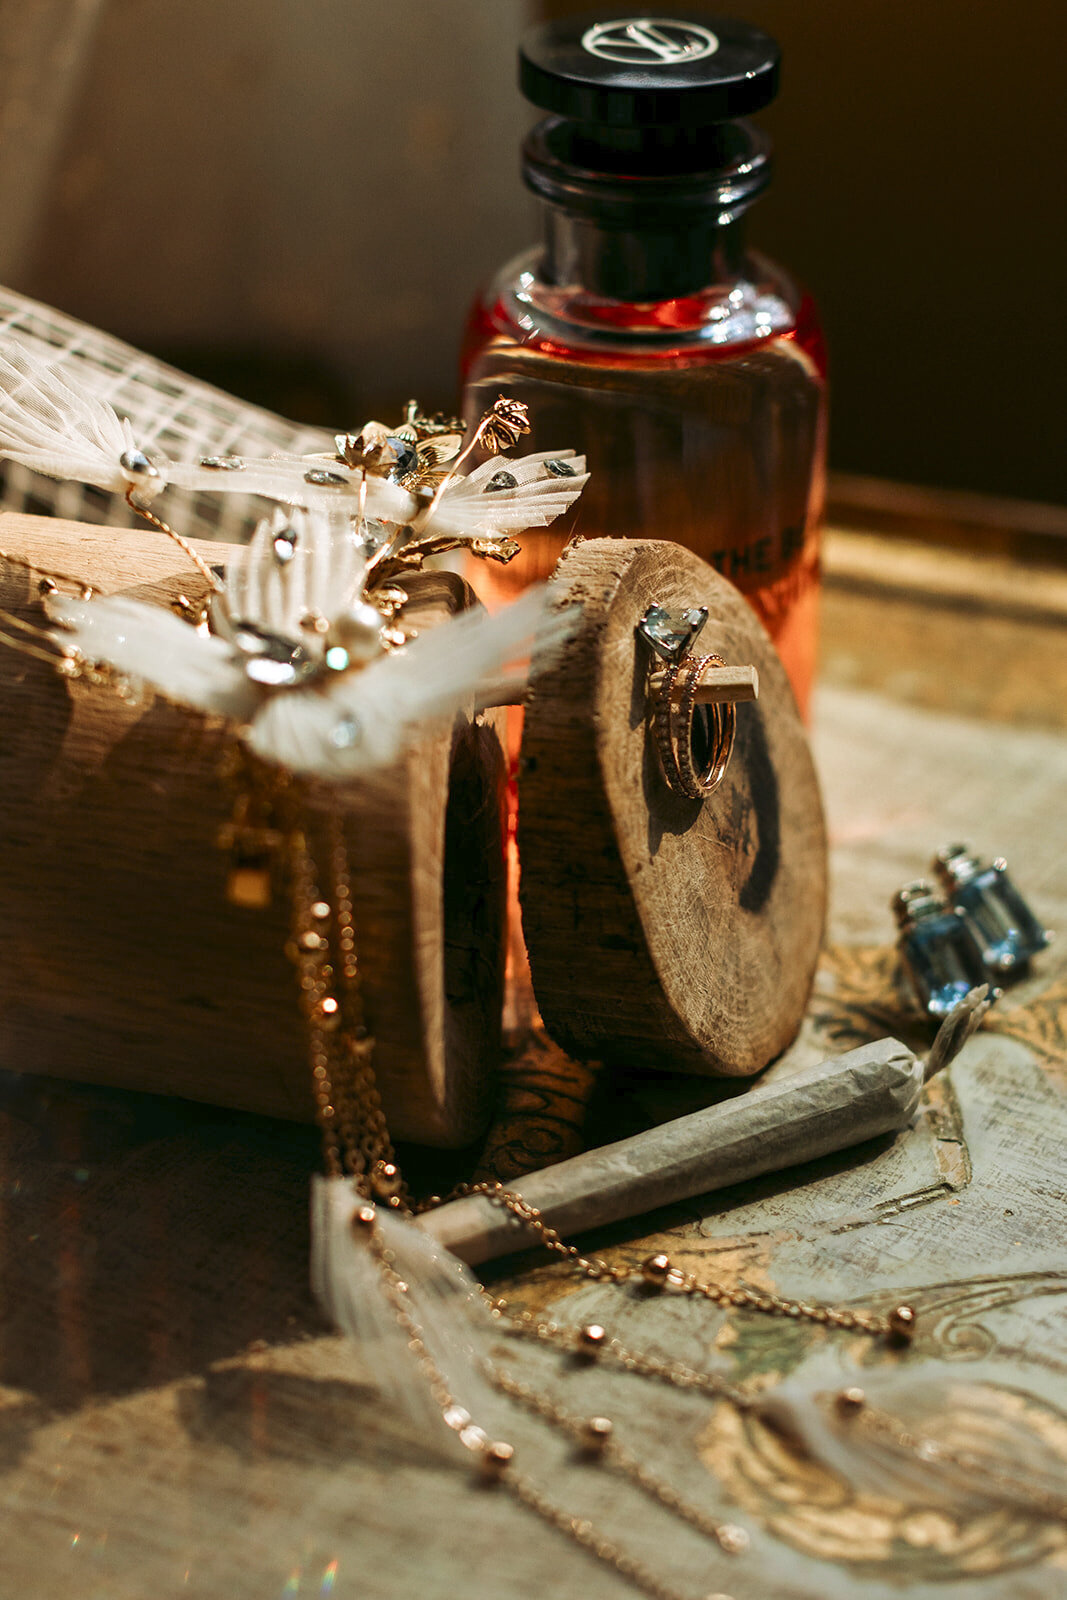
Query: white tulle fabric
[[442, 1299]]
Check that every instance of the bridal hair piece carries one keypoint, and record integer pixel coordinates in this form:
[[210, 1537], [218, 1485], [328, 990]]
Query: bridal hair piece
[[300, 644], [52, 425], [177, 419]]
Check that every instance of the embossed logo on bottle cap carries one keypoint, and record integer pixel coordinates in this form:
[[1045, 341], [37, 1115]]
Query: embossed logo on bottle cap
[[649, 41]]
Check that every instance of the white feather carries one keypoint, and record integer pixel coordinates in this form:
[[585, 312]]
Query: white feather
[[304, 731], [446, 666], [442, 1299], [152, 645], [971, 1447], [539, 496], [285, 478], [51, 424], [466, 505], [322, 577], [362, 720]]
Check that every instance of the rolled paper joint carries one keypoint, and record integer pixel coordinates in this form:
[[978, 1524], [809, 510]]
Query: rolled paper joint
[[830, 1106]]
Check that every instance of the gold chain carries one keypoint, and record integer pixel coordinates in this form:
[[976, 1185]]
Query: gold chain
[[368, 1146], [48, 577], [309, 949], [585, 1534], [348, 1105], [356, 1140], [211, 579], [595, 1436], [592, 1342], [658, 1272]]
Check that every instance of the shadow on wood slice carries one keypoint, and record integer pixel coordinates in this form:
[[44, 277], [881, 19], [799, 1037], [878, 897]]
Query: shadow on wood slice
[[121, 961], [662, 931]]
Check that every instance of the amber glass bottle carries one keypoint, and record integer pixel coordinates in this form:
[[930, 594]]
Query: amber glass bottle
[[643, 332]]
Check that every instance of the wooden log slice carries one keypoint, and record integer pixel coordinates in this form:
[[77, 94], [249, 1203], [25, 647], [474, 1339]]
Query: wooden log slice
[[121, 960], [663, 931]]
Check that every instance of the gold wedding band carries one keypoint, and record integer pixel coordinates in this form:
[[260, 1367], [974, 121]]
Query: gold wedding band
[[690, 772]]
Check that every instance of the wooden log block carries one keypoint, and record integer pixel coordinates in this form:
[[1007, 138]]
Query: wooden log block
[[681, 933], [121, 961]]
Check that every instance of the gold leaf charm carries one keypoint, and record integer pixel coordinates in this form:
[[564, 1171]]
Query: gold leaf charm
[[504, 424]]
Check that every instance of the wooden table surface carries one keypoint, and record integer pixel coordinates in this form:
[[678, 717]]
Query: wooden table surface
[[176, 1421]]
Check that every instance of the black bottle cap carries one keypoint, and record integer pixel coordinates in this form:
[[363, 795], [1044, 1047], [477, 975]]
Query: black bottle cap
[[684, 69]]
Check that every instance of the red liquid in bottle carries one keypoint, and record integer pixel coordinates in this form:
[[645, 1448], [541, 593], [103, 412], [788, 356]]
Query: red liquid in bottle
[[698, 427]]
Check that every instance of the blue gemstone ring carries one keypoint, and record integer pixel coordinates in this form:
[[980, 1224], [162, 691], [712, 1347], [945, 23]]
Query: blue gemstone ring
[[671, 631], [691, 699]]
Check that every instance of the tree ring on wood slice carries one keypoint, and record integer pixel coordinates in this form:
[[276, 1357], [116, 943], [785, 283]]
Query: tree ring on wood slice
[[121, 961], [663, 931]]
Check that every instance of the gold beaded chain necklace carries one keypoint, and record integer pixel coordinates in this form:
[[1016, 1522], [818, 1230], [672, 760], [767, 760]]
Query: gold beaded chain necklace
[[357, 1146]]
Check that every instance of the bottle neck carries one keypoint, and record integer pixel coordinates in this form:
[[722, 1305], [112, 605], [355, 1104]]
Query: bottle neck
[[644, 215], [640, 264]]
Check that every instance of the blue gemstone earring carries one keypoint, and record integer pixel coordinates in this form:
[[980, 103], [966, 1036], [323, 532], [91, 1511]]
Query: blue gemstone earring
[[1006, 929], [941, 960]]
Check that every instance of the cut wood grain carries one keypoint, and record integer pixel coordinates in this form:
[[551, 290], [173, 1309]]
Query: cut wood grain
[[121, 961], [681, 933]]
